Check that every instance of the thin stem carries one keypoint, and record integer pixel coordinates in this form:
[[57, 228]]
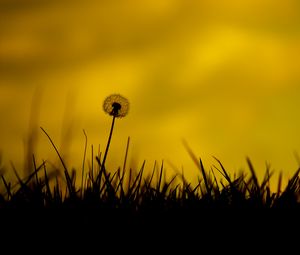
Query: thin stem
[[60, 157], [108, 143], [83, 163]]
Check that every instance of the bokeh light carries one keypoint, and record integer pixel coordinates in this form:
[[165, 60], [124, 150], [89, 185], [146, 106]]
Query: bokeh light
[[222, 75]]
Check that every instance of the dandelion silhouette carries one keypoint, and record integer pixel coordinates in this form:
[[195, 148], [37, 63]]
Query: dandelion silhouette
[[117, 106]]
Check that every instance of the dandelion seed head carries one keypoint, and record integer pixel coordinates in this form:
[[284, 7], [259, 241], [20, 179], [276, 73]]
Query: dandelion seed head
[[116, 105]]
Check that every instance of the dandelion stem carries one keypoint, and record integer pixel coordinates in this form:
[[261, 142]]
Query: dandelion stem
[[108, 142]]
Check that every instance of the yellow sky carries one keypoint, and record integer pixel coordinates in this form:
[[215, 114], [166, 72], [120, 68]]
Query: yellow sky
[[223, 75]]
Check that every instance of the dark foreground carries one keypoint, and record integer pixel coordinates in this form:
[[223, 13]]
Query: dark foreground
[[110, 212]]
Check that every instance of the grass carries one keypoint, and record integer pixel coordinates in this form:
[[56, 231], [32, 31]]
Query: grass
[[130, 200], [133, 191], [133, 209]]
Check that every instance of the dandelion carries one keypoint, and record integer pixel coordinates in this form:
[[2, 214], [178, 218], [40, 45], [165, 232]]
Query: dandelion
[[117, 106]]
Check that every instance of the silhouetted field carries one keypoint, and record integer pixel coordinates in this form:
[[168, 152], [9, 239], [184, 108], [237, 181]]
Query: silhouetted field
[[130, 191], [128, 204], [99, 205]]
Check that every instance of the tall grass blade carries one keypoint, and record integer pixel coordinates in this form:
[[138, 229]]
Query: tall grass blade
[[61, 160]]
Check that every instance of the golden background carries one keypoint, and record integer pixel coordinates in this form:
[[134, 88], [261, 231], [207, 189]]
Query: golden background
[[222, 75]]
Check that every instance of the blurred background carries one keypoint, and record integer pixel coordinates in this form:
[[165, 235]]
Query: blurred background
[[221, 74]]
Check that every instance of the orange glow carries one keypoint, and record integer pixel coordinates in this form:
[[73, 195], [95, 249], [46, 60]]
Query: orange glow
[[223, 75]]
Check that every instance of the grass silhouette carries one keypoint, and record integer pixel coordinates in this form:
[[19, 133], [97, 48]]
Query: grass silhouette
[[133, 191], [132, 199]]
